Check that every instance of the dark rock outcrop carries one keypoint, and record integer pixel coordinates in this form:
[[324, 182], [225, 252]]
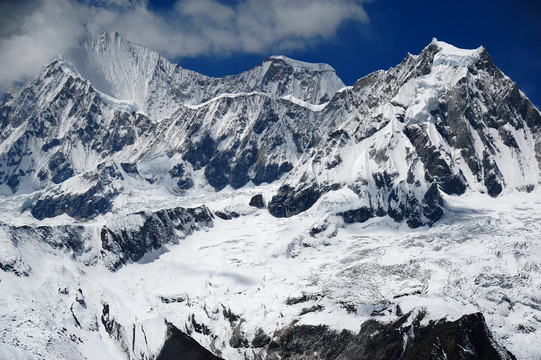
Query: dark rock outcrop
[[79, 206], [69, 239], [289, 201], [140, 233], [129, 168], [60, 169], [115, 330], [226, 215], [257, 201], [359, 215], [96, 200], [261, 339], [15, 266], [465, 338], [180, 346], [183, 179], [63, 237]]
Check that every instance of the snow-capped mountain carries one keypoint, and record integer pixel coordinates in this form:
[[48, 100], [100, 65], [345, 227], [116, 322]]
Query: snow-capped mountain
[[446, 120], [116, 166], [150, 84], [398, 138]]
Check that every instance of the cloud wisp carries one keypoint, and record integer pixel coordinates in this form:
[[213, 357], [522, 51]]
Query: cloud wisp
[[35, 31]]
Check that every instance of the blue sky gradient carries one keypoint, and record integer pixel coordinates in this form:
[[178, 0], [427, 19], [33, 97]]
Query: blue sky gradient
[[509, 30], [218, 37]]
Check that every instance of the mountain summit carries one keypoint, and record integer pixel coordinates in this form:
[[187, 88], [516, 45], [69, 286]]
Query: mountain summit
[[446, 120], [129, 72], [112, 155]]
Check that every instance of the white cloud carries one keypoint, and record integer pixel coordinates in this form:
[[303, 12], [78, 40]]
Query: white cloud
[[207, 12], [190, 28], [40, 37]]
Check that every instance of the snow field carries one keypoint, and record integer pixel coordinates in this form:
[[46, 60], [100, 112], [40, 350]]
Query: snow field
[[483, 256]]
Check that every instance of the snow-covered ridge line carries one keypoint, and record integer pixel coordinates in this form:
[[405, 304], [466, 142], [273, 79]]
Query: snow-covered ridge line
[[123, 105], [450, 55], [305, 104], [453, 50], [301, 64], [224, 96], [128, 71], [345, 88]]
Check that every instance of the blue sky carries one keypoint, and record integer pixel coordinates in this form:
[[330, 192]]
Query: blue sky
[[218, 38], [509, 30]]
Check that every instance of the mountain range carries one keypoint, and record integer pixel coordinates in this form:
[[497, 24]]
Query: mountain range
[[276, 213]]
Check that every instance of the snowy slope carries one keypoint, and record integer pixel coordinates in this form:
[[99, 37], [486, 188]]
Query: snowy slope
[[478, 258]]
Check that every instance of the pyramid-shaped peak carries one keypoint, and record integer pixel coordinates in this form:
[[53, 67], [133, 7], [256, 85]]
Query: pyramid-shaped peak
[[442, 53], [447, 48], [117, 67], [108, 42], [299, 64]]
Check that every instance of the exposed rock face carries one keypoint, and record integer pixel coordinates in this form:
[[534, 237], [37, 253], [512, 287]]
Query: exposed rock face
[[115, 330], [135, 235], [181, 346], [289, 201], [465, 338], [123, 238], [11, 259], [257, 201], [358, 215], [180, 172], [96, 198], [69, 239]]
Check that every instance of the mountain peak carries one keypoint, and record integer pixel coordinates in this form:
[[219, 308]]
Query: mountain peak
[[447, 54], [115, 66], [101, 42], [299, 64], [446, 48], [126, 71]]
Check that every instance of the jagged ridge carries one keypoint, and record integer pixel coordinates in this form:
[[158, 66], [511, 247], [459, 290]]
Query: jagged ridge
[[112, 117]]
